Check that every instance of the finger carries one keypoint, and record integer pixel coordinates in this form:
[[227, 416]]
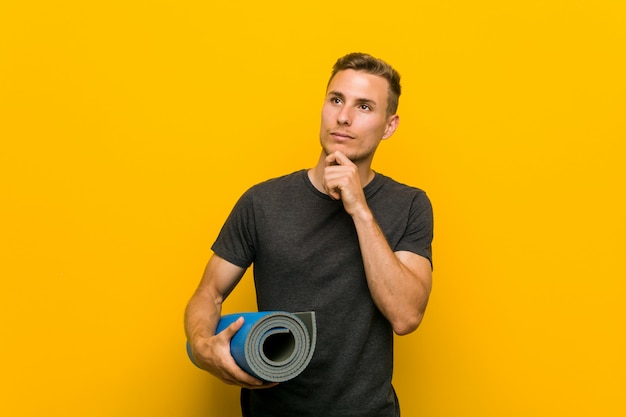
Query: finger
[[332, 188], [234, 374], [246, 380], [263, 386], [242, 378], [232, 328], [336, 158], [238, 376], [334, 193]]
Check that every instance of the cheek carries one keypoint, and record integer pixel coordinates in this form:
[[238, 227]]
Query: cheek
[[327, 113], [375, 126]]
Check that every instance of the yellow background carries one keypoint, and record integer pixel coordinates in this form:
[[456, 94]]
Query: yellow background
[[129, 129]]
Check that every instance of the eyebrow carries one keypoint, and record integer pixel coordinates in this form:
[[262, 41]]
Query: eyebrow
[[358, 100]]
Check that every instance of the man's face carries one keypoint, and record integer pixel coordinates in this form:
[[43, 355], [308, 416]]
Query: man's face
[[354, 118]]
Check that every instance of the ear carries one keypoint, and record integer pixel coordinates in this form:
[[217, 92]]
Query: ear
[[392, 125]]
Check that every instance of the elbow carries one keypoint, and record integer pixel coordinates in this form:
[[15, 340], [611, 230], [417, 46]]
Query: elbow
[[406, 324]]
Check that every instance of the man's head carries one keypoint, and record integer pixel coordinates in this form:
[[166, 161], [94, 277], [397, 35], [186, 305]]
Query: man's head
[[359, 109], [363, 62]]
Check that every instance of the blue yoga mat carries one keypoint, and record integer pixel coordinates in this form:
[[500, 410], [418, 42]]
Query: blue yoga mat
[[274, 346]]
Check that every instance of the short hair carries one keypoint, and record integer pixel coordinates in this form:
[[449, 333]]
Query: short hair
[[358, 61]]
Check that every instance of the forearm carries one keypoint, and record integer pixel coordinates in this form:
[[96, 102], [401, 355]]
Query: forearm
[[399, 283], [202, 315], [204, 309]]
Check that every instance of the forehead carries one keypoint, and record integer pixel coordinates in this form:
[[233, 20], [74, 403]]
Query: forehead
[[360, 85]]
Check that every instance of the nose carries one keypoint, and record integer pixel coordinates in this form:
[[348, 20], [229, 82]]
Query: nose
[[344, 117]]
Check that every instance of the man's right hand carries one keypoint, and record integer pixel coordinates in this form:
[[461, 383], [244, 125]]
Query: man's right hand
[[213, 355]]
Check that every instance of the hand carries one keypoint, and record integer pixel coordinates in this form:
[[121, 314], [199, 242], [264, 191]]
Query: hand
[[342, 182], [213, 355]]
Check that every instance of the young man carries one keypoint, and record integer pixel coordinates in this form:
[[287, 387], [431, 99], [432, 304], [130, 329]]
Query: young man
[[338, 239]]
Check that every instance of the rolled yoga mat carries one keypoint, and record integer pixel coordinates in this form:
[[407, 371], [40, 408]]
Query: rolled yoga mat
[[274, 346]]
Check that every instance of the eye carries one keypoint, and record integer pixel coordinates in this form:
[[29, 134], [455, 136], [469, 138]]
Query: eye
[[335, 100], [364, 107]]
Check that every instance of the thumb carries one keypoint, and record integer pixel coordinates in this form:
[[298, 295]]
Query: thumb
[[232, 328]]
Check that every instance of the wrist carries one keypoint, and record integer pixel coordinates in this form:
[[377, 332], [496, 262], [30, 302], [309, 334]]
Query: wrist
[[362, 215]]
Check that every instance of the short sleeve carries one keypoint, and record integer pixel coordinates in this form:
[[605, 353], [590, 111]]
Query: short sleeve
[[418, 236], [236, 240]]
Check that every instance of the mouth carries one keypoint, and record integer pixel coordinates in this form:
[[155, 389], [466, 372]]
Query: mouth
[[341, 135]]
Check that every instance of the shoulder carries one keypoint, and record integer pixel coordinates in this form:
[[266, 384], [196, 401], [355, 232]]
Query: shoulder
[[388, 186], [282, 181], [293, 179], [288, 183]]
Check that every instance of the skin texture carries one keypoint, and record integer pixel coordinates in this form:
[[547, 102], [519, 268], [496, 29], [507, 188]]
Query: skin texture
[[353, 123], [354, 119]]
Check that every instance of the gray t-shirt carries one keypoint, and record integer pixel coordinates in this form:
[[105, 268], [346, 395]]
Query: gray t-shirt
[[306, 257]]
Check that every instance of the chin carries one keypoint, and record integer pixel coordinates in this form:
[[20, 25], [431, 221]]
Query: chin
[[334, 147]]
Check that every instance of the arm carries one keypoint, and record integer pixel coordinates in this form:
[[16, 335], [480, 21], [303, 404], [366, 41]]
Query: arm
[[212, 352], [399, 282]]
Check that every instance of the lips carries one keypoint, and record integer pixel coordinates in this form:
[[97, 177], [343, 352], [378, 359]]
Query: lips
[[341, 135]]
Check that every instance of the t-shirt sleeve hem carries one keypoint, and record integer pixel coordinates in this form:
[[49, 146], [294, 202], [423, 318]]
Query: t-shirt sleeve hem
[[230, 257]]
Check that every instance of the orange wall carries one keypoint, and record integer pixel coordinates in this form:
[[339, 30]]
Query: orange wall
[[129, 129]]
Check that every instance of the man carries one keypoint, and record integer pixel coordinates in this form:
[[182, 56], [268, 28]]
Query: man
[[338, 239]]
